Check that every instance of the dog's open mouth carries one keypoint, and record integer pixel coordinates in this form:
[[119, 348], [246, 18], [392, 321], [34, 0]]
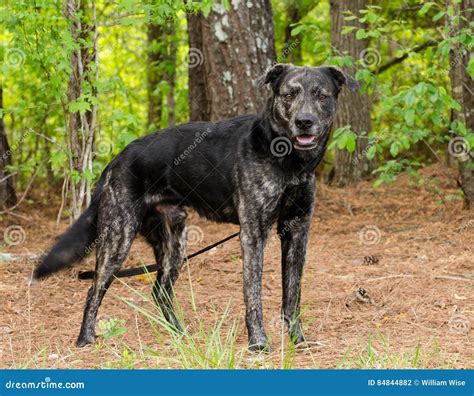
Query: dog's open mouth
[[305, 142]]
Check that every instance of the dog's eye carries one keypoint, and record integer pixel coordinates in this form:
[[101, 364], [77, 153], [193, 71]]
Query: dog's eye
[[322, 97], [288, 96]]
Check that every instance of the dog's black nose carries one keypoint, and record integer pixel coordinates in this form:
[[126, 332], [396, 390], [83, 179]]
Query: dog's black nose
[[304, 122]]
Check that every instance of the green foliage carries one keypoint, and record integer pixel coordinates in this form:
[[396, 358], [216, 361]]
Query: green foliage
[[411, 101], [377, 353], [35, 68], [112, 328], [344, 138]]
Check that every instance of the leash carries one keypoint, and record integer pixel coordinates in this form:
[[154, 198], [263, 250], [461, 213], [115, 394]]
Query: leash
[[87, 275]]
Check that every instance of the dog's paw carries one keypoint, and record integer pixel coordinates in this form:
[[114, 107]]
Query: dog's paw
[[296, 333], [262, 345]]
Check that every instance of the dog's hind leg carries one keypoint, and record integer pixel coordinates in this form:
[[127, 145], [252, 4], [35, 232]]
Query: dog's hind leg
[[168, 239], [117, 228]]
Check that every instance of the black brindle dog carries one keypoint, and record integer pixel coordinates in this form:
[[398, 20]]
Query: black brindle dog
[[252, 170]]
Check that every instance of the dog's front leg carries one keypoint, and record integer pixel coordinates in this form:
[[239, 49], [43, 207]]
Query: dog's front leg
[[258, 197], [293, 228], [252, 241]]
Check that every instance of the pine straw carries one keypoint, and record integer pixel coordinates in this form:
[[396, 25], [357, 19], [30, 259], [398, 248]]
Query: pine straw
[[419, 290]]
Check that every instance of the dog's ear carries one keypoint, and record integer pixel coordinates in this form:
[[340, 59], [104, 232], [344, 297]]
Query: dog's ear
[[343, 78], [274, 75]]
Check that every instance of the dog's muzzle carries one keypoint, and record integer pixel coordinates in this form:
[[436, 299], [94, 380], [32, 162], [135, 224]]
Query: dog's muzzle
[[305, 141], [310, 139]]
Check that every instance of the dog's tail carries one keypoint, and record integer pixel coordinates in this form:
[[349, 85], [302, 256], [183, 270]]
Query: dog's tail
[[75, 243]]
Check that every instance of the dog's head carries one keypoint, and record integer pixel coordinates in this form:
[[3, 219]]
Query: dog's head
[[304, 99]]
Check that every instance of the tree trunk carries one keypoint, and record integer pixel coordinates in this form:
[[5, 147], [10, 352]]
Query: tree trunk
[[7, 185], [161, 70], [463, 92], [229, 51], [353, 110], [81, 124]]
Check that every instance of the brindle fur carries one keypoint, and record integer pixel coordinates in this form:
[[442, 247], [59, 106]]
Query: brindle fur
[[228, 174]]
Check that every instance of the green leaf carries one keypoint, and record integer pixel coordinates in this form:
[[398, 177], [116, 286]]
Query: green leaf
[[351, 142], [409, 117], [436, 119], [453, 104], [426, 7], [341, 142], [361, 34], [58, 159], [347, 29], [439, 15], [80, 106], [405, 142], [75, 176], [470, 67], [371, 152], [297, 30], [410, 98], [394, 149]]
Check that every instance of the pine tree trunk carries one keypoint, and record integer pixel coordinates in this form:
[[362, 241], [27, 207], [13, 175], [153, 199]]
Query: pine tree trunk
[[462, 87], [229, 51], [353, 109], [161, 68], [7, 185]]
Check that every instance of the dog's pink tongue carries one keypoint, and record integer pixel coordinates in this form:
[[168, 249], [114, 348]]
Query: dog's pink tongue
[[305, 139]]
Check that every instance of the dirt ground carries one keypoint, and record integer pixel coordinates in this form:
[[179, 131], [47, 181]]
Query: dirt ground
[[412, 258]]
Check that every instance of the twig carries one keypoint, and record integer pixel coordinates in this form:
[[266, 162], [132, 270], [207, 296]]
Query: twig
[[8, 176], [456, 278], [400, 59], [24, 193], [63, 198], [17, 215], [47, 138]]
